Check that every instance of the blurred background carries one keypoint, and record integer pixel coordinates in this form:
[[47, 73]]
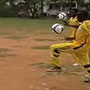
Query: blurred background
[[38, 8]]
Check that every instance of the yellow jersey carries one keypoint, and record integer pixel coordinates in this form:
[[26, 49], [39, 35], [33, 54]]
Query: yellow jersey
[[73, 22], [82, 39]]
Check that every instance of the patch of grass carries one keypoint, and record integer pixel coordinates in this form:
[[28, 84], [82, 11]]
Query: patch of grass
[[5, 33], [53, 73], [41, 47], [18, 22], [17, 46], [4, 50], [44, 40], [17, 28], [71, 70], [41, 65], [66, 70], [7, 55], [15, 37], [42, 26]]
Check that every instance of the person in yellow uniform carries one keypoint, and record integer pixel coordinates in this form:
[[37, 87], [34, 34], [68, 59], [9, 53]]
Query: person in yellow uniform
[[73, 21], [79, 48]]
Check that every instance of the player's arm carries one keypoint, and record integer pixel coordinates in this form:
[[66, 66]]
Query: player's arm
[[73, 22]]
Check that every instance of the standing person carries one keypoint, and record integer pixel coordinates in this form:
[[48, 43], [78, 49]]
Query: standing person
[[78, 48]]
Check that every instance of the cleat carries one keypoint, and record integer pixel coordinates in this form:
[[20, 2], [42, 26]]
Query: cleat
[[76, 64], [55, 69], [86, 79]]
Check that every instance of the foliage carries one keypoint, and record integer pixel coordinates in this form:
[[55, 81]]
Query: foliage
[[31, 8], [5, 11]]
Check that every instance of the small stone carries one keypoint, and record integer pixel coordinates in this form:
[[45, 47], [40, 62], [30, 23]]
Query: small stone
[[44, 84], [31, 87], [46, 89], [33, 70]]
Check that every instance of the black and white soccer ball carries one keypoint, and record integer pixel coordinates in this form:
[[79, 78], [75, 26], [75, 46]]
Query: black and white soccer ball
[[62, 16], [57, 28]]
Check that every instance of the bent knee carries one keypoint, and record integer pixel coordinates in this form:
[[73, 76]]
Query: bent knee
[[52, 47]]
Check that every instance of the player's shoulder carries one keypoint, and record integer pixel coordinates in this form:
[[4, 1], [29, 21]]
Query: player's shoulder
[[86, 23], [86, 26]]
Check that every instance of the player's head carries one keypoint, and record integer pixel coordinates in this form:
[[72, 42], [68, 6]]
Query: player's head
[[82, 15], [74, 12]]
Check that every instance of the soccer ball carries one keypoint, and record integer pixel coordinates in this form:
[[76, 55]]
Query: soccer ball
[[57, 28], [62, 16]]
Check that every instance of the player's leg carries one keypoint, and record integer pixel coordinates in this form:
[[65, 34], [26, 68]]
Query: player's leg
[[89, 54], [83, 59], [55, 54]]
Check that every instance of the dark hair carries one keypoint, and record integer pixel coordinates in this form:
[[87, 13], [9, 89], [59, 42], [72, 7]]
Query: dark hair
[[82, 15], [73, 12]]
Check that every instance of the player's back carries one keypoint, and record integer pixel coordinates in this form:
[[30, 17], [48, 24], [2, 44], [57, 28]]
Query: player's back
[[83, 36]]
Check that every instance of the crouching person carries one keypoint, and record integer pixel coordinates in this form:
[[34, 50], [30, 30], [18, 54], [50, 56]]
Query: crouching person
[[78, 48]]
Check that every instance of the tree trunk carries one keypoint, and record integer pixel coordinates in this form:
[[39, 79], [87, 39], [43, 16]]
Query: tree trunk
[[42, 7]]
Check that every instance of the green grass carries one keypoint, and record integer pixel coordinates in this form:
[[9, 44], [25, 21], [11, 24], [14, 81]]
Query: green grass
[[4, 52], [7, 55], [41, 47], [44, 40], [30, 23], [16, 37], [16, 28]]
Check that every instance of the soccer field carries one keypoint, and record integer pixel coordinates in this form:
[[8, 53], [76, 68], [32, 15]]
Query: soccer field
[[25, 54]]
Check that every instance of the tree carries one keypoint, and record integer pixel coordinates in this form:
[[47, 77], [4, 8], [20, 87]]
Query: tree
[[30, 7], [33, 7], [5, 10]]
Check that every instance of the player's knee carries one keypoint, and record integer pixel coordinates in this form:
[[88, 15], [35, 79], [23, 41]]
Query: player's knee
[[52, 47], [56, 51]]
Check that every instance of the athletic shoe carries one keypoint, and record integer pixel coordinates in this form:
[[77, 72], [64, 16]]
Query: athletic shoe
[[86, 78], [55, 69], [76, 64]]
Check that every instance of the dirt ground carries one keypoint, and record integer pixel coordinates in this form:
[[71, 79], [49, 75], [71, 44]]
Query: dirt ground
[[24, 64], [24, 61]]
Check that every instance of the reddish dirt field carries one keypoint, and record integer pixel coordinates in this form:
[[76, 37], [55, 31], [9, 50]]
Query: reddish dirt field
[[23, 66]]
